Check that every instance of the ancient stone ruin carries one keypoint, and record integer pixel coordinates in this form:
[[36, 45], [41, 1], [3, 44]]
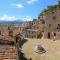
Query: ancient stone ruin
[[10, 48]]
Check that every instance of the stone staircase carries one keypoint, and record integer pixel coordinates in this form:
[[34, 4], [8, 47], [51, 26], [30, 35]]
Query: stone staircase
[[8, 52]]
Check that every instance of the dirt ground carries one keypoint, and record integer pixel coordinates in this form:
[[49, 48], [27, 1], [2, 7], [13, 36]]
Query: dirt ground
[[52, 49]]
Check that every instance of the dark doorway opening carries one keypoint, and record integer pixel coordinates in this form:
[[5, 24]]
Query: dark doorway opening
[[54, 34], [48, 35]]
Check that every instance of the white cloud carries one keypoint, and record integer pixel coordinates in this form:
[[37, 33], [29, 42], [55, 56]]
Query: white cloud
[[31, 1], [17, 5], [27, 18], [5, 17]]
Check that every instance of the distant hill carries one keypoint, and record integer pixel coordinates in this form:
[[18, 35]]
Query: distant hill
[[11, 22]]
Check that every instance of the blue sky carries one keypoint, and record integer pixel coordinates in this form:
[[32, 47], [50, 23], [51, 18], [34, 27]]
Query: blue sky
[[25, 10]]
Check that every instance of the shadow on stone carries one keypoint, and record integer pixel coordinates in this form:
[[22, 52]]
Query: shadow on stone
[[39, 49], [21, 56], [23, 42]]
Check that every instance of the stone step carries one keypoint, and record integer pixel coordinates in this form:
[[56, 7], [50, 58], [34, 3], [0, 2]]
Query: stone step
[[8, 52]]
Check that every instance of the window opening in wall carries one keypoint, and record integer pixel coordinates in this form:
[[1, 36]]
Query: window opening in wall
[[0, 32], [58, 26], [43, 22], [49, 25], [49, 35]]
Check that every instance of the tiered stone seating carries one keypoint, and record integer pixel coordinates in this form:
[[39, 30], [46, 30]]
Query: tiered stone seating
[[8, 52]]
